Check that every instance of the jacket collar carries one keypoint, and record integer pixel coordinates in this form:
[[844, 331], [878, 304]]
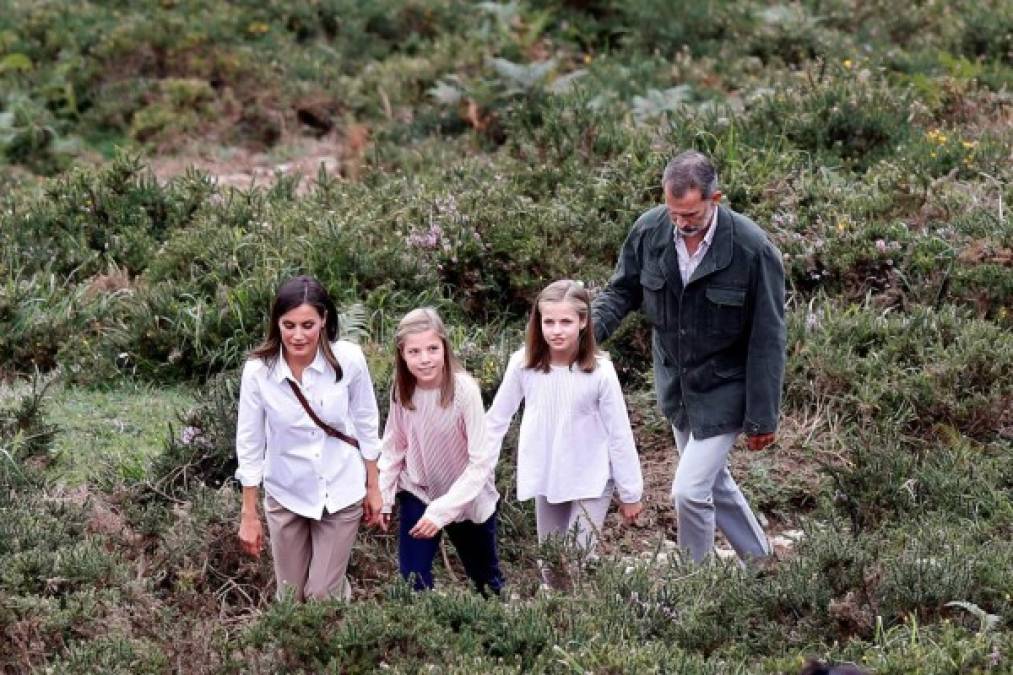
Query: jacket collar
[[717, 257]]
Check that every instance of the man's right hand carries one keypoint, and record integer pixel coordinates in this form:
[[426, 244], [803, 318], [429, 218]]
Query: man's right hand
[[251, 535]]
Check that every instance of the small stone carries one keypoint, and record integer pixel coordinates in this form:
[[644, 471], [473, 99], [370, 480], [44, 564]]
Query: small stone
[[724, 553]]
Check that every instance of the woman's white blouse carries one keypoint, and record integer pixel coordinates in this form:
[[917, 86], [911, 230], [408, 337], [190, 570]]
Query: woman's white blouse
[[278, 444], [575, 432]]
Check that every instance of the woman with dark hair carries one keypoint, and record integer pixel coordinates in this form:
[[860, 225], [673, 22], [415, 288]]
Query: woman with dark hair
[[307, 429]]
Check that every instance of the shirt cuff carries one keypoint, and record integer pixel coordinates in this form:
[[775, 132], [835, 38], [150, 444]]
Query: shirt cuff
[[369, 451], [249, 478], [437, 516], [631, 496]]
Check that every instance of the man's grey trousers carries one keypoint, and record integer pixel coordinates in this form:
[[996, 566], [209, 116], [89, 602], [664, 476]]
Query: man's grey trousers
[[705, 496]]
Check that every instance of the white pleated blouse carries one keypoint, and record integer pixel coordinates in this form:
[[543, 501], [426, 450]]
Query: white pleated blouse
[[575, 432]]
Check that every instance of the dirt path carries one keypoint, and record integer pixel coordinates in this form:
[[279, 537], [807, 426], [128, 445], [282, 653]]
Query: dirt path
[[242, 168]]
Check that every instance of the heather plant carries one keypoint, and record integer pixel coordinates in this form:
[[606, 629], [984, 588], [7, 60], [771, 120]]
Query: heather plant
[[916, 372], [25, 438], [479, 149], [836, 116], [201, 449]]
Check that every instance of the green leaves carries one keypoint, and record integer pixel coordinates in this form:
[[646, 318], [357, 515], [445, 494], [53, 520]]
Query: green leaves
[[12, 63], [656, 103], [521, 78]]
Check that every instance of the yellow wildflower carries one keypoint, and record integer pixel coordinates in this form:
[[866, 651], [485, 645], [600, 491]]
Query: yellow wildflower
[[969, 144], [257, 28], [847, 63], [936, 136]]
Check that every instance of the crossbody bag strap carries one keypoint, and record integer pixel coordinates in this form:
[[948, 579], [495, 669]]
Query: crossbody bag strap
[[328, 429]]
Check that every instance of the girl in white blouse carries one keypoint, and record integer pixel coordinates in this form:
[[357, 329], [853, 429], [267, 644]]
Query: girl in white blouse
[[576, 445], [434, 461], [307, 430]]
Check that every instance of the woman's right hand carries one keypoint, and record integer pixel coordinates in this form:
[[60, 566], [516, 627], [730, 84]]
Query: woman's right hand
[[251, 535]]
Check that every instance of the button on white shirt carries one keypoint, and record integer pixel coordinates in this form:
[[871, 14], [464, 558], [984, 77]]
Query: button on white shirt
[[277, 442]]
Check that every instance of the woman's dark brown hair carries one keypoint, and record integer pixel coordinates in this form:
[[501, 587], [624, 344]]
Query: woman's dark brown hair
[[293, 293], [574, 294]]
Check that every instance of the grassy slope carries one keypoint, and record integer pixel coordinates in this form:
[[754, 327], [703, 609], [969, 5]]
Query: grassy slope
[[111, 435], [873, 144]]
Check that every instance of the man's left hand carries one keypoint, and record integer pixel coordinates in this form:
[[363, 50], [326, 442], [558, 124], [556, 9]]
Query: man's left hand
[[759, 441]]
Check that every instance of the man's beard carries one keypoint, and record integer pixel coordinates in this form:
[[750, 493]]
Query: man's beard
[[691, 231]]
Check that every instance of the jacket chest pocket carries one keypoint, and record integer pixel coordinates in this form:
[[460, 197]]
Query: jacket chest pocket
[[655, 302], [724, 311]]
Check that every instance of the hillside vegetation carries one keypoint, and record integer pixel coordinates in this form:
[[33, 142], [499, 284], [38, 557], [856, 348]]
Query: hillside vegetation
[[477, 151]]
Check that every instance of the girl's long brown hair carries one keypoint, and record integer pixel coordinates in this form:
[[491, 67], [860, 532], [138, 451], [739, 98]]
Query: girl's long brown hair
[[293, 293], [573, 293], [419, 321]]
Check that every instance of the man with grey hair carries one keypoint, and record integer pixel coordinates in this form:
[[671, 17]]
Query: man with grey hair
[[712, 286]]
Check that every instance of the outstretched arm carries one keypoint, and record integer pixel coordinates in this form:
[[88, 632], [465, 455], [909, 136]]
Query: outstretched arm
[[622, 448], [504, 405], [623, 294]]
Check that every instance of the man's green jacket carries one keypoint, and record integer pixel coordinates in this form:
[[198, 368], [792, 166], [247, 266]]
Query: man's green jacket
[[718, 342]]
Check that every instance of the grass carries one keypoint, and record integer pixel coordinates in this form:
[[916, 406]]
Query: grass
[[111, 435], [480, 150]]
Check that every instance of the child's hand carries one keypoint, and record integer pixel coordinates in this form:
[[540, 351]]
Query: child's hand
[[424, 529], [382, 521], [630, 512]]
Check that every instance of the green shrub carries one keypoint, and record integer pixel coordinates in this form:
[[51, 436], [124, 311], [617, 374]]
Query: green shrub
[[202, 450], [912, 372], [114, 654], [853, 120]]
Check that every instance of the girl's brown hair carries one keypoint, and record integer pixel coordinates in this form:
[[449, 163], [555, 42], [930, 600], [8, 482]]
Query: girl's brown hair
[[294, 293], [564, 290], [419, 321]]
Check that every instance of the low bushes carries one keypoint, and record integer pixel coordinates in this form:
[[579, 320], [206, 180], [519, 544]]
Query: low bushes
[[487, 149]]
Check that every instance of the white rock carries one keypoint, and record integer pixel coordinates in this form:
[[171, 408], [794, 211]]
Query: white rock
[[724, 553]]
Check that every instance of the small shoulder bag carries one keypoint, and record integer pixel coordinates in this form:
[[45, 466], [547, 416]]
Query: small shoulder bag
[[328, 429]]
